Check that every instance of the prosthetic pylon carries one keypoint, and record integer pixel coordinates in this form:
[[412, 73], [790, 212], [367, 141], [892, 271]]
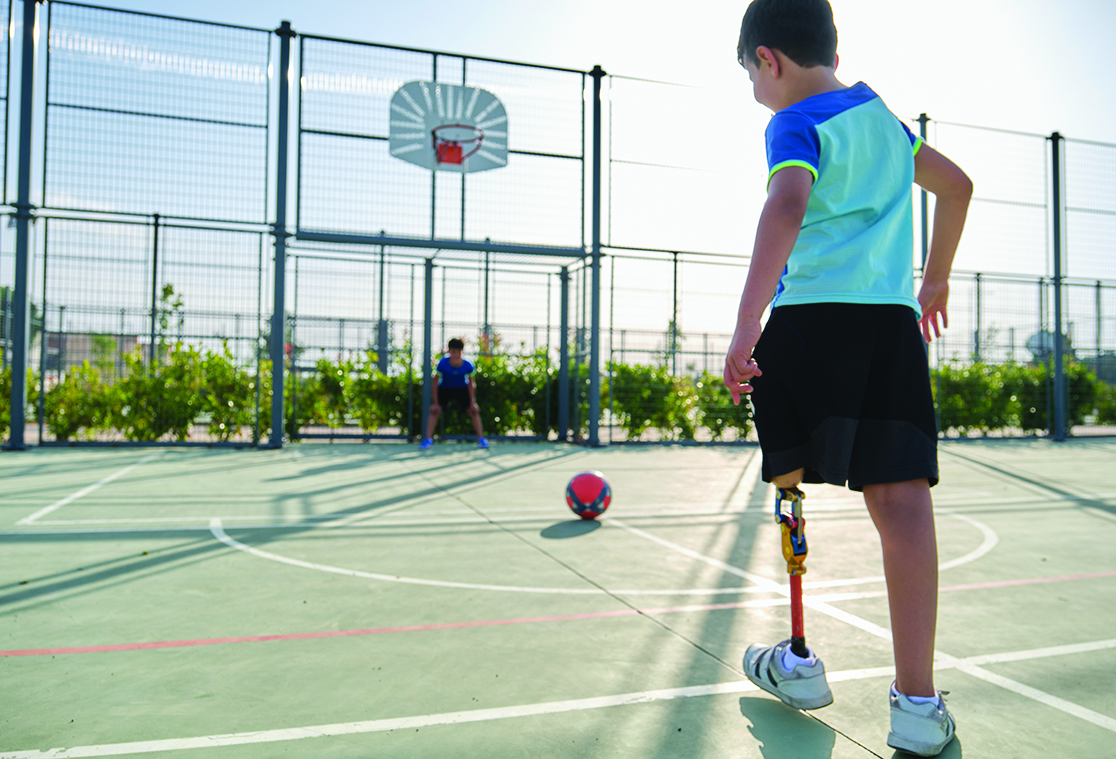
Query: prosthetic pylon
[[793, 528]]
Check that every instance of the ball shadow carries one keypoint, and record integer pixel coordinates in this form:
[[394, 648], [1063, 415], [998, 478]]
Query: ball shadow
[[571, 528]]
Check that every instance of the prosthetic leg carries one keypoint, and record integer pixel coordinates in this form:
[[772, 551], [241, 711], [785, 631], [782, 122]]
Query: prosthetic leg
[[793, 527], [803, 684]]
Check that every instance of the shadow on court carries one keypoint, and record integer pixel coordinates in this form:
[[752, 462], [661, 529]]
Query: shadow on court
[[782, 732], [571, 528]]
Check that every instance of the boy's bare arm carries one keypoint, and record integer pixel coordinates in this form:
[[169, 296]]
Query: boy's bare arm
[[776, 233], [952, 190]]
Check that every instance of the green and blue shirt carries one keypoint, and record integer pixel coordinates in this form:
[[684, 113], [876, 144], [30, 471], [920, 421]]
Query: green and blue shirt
[[856, 241]]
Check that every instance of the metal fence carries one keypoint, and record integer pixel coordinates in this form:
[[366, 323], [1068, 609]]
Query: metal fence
[[150, 208]]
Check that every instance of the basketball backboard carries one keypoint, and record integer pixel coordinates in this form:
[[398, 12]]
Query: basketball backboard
[[448, 127]]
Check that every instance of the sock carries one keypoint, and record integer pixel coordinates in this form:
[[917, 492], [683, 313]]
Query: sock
[[936, 700], [792, 660]]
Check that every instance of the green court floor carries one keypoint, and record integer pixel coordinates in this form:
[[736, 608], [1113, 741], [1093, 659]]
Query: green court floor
[[378, 601]]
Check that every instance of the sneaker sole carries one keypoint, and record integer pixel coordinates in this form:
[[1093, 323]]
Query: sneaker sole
[[917, 748], [805, 704]]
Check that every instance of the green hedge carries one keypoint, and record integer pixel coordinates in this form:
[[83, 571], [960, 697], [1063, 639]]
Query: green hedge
[[649, 398], [188, 387], [982, 398]]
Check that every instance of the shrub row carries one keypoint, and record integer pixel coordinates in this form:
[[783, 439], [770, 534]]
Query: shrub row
[[1015, 397], [517, 394]]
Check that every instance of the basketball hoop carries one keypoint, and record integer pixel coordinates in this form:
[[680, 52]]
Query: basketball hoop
[[448, 127], [450, 142]]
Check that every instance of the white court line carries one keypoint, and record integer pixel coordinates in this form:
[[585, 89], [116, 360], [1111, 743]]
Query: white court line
[[968, 665], [215, 526], [941, 660], [85, 491], [392, 517], [761, 583], [758, 579]]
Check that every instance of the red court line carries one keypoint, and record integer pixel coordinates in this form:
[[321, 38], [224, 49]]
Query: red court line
[[1033, 581], [480, 623]]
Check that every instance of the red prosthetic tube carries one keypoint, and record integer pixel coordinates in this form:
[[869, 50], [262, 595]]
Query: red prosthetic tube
[[793, 528]]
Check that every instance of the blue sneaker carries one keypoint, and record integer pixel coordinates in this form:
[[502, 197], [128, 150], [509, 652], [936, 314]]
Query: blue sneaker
[[482, 442], [426, 444]]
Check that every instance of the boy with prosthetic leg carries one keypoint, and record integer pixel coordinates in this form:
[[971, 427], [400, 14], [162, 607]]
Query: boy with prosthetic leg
[[838, 374]]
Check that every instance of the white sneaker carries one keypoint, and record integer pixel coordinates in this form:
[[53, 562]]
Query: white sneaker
[[803, 687], [921, 729]]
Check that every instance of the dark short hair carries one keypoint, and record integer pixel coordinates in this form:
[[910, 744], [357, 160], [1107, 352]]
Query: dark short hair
[[802, 30], [456, 342]]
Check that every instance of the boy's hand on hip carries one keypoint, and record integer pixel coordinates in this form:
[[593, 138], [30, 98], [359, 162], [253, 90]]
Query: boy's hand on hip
[[932, 297], [740, 367]]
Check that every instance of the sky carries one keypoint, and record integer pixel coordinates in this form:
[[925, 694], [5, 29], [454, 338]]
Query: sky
[[1023, 65]]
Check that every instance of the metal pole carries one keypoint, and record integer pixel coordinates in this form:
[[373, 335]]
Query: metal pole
[[595, 333], [611, 344], [546, 370], [382, 327], [43, 339], [487, 326], [1097, 354], [411, 360], [674, 321], [923, 119], [255, 343], [427, 340], [564, 355], [21, 303], [279, 231], [1059, 370], [5, 327], [976, 328], [154, 292]]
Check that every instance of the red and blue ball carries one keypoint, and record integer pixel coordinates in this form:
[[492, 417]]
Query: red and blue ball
[[588, 494]]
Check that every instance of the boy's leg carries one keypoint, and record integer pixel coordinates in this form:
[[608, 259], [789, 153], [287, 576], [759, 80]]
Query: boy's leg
[[474, 415], [432, 422], [789, 480], [904, 516]]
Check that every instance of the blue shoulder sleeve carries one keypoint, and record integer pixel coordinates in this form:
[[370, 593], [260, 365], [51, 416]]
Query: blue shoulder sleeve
[[916, 141], [792, 140]]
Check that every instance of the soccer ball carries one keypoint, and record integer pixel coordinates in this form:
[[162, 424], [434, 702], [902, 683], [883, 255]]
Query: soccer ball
[[588, 494]]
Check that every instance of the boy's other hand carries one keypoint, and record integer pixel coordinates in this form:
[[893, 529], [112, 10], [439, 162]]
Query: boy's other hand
[[740, 367], [932, 297]]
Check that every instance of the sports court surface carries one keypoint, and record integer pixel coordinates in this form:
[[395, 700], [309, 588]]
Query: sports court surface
[[374, 601]]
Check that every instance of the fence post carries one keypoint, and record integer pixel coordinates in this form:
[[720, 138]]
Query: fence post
[[1059, 372], [382, 326], [427, 342], [21, 303], [154, 292], [1097, 354], [279, 230], [564, 355], [976, 328], [674, 320], [595, 286]]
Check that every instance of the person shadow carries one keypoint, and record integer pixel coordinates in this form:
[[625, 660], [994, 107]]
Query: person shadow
[[784, 732]]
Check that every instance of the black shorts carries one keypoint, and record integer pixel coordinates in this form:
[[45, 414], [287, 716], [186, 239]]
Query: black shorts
[[845, 394], [448, 396]]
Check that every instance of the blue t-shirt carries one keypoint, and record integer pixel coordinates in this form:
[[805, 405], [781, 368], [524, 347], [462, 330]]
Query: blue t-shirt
[[454, 376], [856, 242]]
